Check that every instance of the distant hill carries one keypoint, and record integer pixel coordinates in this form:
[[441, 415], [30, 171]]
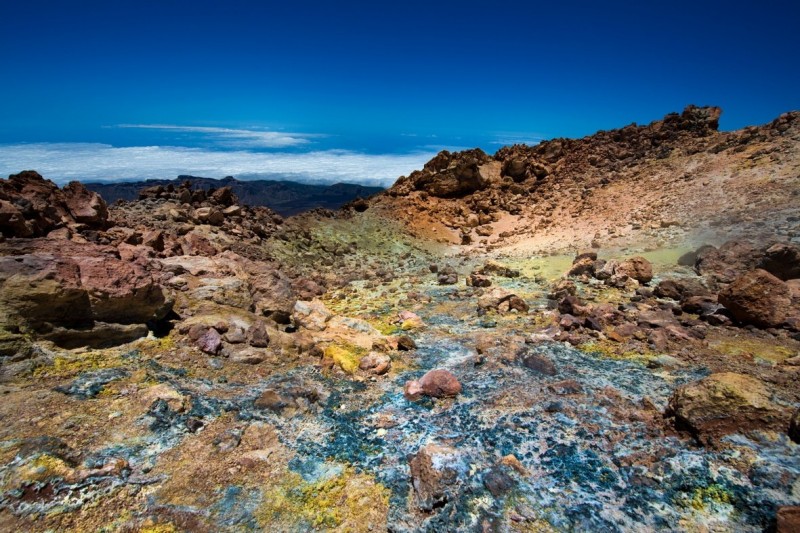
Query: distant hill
[[285, 197]]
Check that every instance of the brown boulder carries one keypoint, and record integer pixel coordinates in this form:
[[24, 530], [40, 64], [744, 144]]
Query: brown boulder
[[436, 384], [637, 268], [782, 261], [726, 263], [758, 298], [257, 333], [724, 403]]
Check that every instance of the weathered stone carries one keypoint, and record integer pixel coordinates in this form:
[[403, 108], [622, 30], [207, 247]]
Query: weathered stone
[[311, 315], [257, 335], [447, 276], [794, 427], [722, 404], [210, 342], [782, 261], [539, 363], [758, 298], [375, 363], [477, 280], [436, 472], [788, 519], [637, 268], [437, 383]]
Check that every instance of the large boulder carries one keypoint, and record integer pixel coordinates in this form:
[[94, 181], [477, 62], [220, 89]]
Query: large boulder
[[451, 175], [724, 403], [85, 206], [758, 298], [782, 261], [637, 268], [726, 263]]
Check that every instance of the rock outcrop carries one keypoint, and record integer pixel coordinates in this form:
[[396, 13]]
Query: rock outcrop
[[31, 206]]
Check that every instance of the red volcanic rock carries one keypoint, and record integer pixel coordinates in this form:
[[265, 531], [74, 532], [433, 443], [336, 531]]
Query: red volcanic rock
[[85, 206], [758, 298], [637, 268], [436, 383], [49, 283], [31, 206], [210, 342]]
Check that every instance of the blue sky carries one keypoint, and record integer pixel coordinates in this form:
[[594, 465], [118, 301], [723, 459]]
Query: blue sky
[[325, 91]]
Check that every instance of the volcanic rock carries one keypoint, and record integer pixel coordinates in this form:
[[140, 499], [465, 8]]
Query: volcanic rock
[[721, 404], [758, 298], [782, 261], [447, 276], [257, 335], [31, 206], [436, 384], [794, 427], [435, 474], [375, 363], [637, 268], [311, 315]]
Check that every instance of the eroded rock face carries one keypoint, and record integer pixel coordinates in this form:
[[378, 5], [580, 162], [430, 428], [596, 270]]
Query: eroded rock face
[[64, 285], [724, 403], [758, 298]]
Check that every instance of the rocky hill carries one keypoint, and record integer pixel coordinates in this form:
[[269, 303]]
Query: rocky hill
[[674, 181], [284, 197], [598, 334]]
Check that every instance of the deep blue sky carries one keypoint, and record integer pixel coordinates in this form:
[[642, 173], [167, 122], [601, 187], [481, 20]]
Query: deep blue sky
[[379, 77]]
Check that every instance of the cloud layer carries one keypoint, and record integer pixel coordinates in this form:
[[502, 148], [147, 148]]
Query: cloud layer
[[63, 162], [235, 138]]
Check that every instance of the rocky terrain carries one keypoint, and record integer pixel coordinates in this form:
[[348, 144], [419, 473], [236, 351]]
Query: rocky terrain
[[600, 334], [284, 197]]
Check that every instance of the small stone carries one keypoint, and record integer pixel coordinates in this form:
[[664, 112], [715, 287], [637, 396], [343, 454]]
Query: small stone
[[539, 364], [375, 363], [406, 343], [210, 342], [258, 336]]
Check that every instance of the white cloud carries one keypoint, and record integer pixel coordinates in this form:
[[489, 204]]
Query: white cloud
[[239, 138], [63, 162]]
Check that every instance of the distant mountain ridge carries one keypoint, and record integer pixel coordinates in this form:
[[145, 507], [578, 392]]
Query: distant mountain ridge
[[284, 197]]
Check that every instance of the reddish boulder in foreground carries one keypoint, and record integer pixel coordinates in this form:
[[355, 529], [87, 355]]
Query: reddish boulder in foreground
[[437, 383], [758, 298]]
